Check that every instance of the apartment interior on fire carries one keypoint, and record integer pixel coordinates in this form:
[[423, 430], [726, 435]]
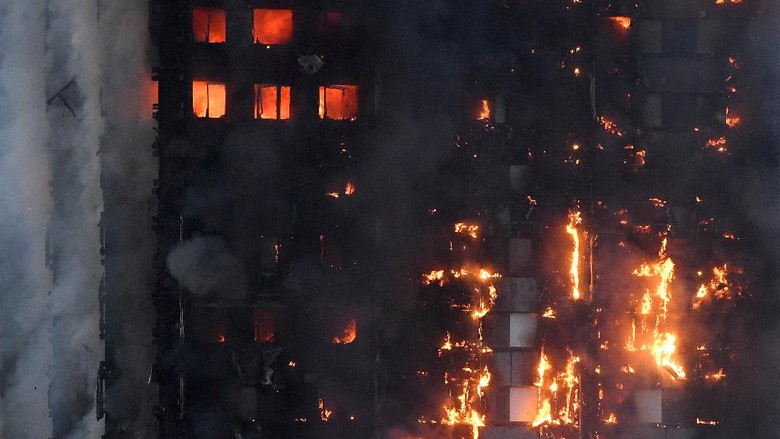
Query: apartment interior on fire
[[574, 260]]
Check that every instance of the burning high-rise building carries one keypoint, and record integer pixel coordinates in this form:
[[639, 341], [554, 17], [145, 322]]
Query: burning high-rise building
[[575, 267]]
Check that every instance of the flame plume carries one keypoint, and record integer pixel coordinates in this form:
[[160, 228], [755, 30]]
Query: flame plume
[[575, 219]]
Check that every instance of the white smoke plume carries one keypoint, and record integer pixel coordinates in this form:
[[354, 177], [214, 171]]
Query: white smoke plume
[[51, 202]]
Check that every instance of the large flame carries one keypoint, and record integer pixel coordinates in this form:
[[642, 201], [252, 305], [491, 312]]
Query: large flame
[[664, 343], [575, 219]]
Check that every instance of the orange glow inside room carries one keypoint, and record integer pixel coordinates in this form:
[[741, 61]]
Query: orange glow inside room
[[272, 102], [208, 25], [272, 26], [208, 99], [338, 102]]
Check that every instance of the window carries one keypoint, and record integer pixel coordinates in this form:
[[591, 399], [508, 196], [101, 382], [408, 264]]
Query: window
[[208, 99], [272, 101], [330, 23], [264, 327], [272, 26], [208, 25], [338, 102]]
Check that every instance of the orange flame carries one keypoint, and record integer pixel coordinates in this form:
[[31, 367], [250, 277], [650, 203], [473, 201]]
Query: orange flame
[[467, 229], [574, 271], [608, 125], [484, 113], [719, 144], [325, 413], [350, 189], [731, 120], [348, 335], [623, 22]]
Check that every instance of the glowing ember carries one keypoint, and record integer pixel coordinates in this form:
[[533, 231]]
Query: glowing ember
[[325, 413], [731, 120], [610, 126], [657, 202], [717, 376], [575, 219], [705, 422], [718, 144], [348, 335]]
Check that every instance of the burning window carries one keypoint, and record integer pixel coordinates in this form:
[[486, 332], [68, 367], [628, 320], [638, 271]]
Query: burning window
[[272, 102], [272, 26], [208, 99], [208, 25], [338, 102], [264, 328]]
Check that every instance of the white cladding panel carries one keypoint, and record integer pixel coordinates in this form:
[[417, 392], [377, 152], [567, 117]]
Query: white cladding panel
[[522, 330]]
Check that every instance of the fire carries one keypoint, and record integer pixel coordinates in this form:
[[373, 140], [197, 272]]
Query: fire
[[272, 102], [611, 419], [608, 125], [718, 285], [544, 414], [723, 2], [704, 422], [325, 413], [566, 411], [208, 25], [549, 313], [574, 271], [663, 347], [208, 99], [484, 113], [623, 22], [434, 276], [349, 189], [338, 102], [731, 120], [272, 26], [348, 335], [221, 338], [719, 144], [467, 229], [717, 376]]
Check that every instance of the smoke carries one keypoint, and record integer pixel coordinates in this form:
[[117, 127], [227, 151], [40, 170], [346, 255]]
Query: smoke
[[25, 326], [204, 266], [52, 201]]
